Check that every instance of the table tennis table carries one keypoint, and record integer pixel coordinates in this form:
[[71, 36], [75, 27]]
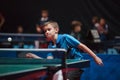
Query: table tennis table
[[28, 69]]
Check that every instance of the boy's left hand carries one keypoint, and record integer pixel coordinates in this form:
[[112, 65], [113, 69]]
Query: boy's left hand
[[98, 61]]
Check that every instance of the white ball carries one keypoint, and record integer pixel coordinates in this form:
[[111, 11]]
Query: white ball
[[9, 39]]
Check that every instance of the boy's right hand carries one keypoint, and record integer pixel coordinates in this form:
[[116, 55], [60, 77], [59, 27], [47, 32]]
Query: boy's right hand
[[98, 61], [31, 55]]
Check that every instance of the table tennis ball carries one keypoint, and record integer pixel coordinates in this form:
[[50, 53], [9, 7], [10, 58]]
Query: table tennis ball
[[9, 39]]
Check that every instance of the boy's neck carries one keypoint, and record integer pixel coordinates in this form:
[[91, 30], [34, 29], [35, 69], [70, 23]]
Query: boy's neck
[[54, 39]]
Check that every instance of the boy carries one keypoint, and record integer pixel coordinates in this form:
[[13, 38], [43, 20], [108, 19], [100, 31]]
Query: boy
[[65, 41]]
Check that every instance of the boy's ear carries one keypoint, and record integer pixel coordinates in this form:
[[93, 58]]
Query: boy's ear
[[57, 30]]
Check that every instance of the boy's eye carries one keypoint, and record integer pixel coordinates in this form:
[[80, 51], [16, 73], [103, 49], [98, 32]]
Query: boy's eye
[[48, 29]]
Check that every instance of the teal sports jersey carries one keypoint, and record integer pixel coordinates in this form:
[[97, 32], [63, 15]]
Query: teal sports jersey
[[69, 43]]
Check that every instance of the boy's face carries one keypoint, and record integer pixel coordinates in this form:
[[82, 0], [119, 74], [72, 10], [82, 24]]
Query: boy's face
[[50, 32]]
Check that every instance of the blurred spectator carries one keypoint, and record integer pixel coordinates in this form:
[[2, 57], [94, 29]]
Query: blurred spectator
[[76, 29], [44, 18], [21, 43], [19, 29], [38, 29], [95, 22], [103, 29], [2, 20]]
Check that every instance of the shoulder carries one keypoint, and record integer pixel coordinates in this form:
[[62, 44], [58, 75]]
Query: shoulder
[[66, 36], [70, 40]]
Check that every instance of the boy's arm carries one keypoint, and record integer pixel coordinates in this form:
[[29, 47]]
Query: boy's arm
[[31, 55], [49, 57], [91, 53]]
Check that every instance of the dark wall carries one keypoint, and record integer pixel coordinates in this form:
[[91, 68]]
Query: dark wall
[[27, 12]]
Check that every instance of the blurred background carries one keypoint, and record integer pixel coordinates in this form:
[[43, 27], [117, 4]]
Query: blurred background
[[27, 13]]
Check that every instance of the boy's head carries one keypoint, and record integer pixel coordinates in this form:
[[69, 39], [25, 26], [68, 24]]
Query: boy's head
[[50, 29]]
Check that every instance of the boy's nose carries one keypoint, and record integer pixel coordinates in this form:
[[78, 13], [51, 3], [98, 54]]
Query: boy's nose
[[46, 32]]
